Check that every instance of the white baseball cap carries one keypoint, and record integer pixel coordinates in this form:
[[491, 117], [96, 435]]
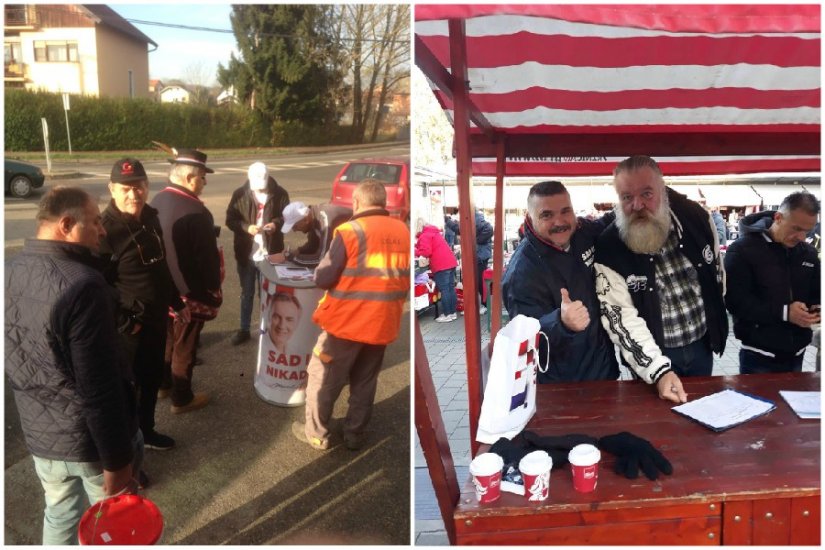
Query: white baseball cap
[[293, 213], [258, 176]]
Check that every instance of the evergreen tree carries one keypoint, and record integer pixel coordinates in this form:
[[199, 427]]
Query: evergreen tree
[[290, 63]]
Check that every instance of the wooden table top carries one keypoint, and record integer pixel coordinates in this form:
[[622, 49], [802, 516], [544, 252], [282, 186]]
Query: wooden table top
[[776, 454]]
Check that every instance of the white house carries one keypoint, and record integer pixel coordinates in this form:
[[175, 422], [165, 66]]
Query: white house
[[83, 49], [174, 94]]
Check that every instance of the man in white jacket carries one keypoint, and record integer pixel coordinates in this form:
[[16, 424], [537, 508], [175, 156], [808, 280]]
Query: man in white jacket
[[659, 280]]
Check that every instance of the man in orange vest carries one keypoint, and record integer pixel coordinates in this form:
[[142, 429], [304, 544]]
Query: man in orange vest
[[366, 277]]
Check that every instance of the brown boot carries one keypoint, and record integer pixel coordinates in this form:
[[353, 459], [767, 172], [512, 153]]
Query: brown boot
[[199, 400], [182, 389]]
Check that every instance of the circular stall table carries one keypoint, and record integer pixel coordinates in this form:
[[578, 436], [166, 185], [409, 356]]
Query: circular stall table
[[287, 333]]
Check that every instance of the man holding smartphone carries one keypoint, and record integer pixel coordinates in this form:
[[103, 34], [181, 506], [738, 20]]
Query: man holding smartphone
[[773, 289]]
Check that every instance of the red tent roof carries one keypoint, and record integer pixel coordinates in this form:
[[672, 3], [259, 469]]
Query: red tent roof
[[703, 89]]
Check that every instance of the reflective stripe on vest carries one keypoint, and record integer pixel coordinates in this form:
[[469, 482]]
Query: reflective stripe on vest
[[367, 302]]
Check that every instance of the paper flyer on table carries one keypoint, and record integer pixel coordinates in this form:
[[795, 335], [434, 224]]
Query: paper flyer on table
[[806, 404], [724, 409], [290, 272]]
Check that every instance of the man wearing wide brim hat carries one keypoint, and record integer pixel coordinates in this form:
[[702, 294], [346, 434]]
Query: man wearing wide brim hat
[[192, 157], [195, 264]]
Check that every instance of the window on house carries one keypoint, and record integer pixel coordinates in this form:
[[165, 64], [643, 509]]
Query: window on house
[[131, 85], [55, 51], [12, 53]]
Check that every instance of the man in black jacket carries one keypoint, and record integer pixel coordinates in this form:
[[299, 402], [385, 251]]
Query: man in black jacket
[[550, 278], [660, 280], [134, 246], [255, 216], [483, 250], [72, 388], [774, 295], [195, 264]]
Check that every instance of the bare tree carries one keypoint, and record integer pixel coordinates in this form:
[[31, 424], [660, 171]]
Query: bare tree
[[198, 76], [377, 38]]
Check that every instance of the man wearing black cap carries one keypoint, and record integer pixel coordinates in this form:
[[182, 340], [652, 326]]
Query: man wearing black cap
[[195, 264], [134, 246]]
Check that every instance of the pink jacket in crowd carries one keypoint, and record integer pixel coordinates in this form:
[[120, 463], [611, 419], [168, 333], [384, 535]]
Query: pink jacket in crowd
[[431, 244]]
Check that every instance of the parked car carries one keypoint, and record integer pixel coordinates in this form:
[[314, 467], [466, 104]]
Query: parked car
[[22, 178], [394, 173]]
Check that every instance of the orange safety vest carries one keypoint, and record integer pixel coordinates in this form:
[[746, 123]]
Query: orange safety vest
[[367, 302]]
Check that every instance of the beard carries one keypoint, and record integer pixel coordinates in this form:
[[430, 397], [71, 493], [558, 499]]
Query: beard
[[644, 232]]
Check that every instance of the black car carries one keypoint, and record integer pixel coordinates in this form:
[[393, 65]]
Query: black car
[[22, 177]]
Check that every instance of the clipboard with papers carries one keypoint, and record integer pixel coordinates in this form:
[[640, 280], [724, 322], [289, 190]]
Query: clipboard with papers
[[723, 410]]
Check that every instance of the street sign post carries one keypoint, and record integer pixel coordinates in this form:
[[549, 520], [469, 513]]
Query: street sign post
[[46, 142], [66, 112]]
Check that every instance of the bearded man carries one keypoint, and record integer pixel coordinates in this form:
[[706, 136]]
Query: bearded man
[[659, 280]]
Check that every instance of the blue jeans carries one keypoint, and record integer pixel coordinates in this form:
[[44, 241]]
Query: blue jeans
[[445, 281], [751, 362], [70, 488], [248, 274], [694, 359]]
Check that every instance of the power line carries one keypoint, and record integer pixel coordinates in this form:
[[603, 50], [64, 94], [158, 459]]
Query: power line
[[229, 31]]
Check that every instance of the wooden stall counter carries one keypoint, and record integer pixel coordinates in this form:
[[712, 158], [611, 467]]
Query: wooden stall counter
[[756, 483]]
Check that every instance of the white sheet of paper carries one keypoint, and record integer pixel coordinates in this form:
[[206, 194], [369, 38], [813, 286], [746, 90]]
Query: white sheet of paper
[[723, 409], [806, 404], [286, 272]]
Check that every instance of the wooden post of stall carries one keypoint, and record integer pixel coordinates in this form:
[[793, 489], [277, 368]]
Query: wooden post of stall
[[498, 239], [466, 212], [433, 437]]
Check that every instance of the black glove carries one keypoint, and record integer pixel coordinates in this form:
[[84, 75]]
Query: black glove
[[509, 451], [557, 446], [512, 454], [631, 452]]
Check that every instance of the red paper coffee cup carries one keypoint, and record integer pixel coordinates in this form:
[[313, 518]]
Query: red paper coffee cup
[[486, 472], [584, 462], [535, 471]]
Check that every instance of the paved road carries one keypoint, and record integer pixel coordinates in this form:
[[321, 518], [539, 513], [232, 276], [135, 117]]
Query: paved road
[[307, 177], [237, 475]]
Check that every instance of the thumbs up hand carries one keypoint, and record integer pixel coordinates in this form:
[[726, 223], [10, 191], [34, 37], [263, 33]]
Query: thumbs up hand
[[574, 315]]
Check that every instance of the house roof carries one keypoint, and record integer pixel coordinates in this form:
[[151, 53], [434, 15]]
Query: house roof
[[175, 87], [573, 89], [107, 16]]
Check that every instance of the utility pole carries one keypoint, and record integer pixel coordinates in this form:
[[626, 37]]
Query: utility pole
[[66, 112]]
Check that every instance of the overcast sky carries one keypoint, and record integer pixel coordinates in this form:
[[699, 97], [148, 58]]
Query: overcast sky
[[180, 49]]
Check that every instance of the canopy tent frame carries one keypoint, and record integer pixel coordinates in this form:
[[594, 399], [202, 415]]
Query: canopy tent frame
[[796, 148]]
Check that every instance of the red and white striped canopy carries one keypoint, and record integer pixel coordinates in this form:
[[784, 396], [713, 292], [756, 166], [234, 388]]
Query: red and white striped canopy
[[704, 89]]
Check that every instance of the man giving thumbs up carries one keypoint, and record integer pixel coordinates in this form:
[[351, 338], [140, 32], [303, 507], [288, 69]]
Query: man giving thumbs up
[[550, 278]]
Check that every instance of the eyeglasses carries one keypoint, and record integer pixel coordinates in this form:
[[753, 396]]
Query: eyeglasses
[[149, 245]]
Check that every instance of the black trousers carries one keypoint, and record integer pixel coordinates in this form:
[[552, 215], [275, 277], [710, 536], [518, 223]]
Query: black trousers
[[145, 351]]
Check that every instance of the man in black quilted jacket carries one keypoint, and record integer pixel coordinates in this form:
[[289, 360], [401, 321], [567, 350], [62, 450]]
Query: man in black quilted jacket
[[74, 393]]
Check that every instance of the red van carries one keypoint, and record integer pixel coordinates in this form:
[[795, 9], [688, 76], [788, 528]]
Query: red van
[[394, 173]]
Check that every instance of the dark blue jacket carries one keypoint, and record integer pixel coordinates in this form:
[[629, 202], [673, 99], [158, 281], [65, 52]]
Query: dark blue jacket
[[72, 388], [532, 286]]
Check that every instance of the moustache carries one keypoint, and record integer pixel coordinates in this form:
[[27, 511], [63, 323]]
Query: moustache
[[641, 215], [560, 229]]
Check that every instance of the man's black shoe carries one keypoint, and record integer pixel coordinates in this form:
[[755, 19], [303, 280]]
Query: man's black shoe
[[240, 337], [156, 441]]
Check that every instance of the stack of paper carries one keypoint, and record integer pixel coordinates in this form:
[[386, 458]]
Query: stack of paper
[[806, 404], [725, 409]]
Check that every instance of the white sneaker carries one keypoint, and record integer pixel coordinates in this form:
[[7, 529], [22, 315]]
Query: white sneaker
[[443, 319], [453, 316], [482, 310]]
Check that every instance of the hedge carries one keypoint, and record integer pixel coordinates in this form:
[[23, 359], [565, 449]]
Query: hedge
[[109, 124]]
